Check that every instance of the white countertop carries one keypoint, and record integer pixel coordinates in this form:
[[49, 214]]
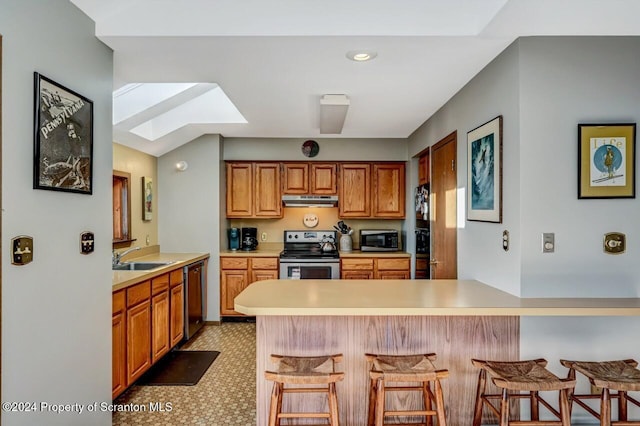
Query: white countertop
[[413, 297]]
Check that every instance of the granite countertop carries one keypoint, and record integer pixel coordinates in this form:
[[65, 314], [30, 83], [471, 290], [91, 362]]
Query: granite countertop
[[413, 297], [123, 279]]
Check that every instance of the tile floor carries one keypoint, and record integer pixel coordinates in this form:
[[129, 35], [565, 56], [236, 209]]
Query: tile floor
[[225, 395]]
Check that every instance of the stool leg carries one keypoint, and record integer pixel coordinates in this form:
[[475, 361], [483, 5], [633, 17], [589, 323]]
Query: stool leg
[[565, 410], [605, 408], [427, 402], [622, 406], [372, 403], [535, 404], [440, 405], [570, 392], [380, 403], [274, 409], [477, 412], [504, 408], [333, 405]]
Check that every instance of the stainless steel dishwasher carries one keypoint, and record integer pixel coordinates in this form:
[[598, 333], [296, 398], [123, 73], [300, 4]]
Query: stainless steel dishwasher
[[194, 306]]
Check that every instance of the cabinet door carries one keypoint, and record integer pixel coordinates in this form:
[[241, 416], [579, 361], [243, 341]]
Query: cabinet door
[[231, 284], [268, 197], [260, 275], [239, 189], [160, 325], [176, 321], [423, 169], [118, 354], [388, 191], [138, 340], [357, 275], [296, 178], [393, 275], [355, 190], [324, 179]]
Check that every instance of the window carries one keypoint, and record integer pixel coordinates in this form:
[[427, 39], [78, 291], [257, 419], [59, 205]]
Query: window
[[121, 209]]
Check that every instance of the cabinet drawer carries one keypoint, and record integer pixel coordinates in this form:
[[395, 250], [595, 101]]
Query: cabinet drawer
[[175, 277], [118, 301], [393, 264], [159, 284], [234, 263], [264, 263], [138, 293], [357, 264]]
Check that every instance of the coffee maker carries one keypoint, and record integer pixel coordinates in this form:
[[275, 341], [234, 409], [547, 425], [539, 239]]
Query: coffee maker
[[249, 239], [234, 238]]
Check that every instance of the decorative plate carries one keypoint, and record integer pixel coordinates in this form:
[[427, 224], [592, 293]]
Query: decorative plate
[[310, 148], [310, 220]]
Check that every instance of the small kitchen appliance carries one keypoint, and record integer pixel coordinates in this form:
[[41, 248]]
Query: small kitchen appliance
[[249, 239], [234, 238], [310, 255], [379, 240]]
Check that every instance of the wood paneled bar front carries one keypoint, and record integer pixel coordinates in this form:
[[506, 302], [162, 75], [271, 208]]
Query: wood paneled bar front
[[456, 319]]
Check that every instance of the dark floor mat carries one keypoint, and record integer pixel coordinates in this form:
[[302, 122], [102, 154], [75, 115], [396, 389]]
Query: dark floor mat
[[179, 368]]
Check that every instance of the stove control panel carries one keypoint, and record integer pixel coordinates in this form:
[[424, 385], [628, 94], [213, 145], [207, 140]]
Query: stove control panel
[[308, 236]]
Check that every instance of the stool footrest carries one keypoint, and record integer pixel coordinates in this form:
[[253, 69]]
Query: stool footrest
[[410, 413], [535, 423], [303, 415], [304, 390]]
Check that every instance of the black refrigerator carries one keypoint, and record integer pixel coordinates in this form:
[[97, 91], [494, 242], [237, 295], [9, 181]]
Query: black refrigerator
[[423, 234]]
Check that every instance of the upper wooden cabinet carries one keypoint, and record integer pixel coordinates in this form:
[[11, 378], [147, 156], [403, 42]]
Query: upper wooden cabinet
[[423, 169], [253, 190], [388, 193], [310, 178], [372, 190]]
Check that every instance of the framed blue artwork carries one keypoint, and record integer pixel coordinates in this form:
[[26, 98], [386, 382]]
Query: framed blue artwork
[[484, 172]]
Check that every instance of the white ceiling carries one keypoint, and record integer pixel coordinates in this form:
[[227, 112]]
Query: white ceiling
[[274, 59]]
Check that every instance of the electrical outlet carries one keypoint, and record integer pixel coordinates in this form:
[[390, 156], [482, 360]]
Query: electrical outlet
[[263, 237]]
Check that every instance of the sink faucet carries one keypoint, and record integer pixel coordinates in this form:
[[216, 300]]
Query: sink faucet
[[115, 259]]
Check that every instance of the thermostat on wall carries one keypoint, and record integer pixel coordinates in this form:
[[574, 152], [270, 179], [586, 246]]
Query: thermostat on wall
[[310, 220]]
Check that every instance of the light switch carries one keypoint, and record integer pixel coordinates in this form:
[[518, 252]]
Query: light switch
[[505, 240], [548, 242], [21, 250]]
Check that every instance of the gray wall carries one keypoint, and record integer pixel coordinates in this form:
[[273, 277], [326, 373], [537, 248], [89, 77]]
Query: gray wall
[[493, 92], [190, 207], [544, 87], [56, 311]]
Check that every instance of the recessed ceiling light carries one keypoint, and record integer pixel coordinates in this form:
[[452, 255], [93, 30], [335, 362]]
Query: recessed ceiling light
[[361, 55]]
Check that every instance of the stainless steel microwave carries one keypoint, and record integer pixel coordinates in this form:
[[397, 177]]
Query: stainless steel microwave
[[379, 240]]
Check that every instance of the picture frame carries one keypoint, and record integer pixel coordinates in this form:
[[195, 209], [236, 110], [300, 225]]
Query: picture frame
[[63, 138], [607, 160], [147, 198], [484, 172]]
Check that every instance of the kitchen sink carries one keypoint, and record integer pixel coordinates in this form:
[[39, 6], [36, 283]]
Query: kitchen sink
[[139, 266]]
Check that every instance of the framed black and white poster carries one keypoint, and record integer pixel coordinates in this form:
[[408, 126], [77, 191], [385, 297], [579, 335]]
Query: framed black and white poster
[[63, 138]]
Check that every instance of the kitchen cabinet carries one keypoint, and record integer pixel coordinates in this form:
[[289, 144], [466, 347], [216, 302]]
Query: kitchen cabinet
[[138, 330], [253, 190], [310, 178], [372, 190], [236, 273], [176, 307], [118, 344], [383, 268], [160, 341], [354, 190], [423, 169]]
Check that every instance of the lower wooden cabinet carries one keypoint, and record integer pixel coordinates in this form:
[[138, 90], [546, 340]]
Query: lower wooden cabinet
[[147, 321], [236, 273], [118, 344], [383, 268]]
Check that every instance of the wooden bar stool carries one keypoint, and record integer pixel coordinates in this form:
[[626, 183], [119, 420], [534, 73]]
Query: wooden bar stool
[[405, 368], [518, 376], [618, 376], [313, 370]]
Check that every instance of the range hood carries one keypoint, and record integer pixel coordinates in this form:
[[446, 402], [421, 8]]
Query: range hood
[[310, 200]]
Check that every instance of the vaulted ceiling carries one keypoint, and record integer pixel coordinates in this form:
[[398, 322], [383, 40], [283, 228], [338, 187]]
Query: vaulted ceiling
[[271, 61]]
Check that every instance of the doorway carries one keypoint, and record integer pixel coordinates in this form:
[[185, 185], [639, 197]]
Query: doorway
[[444, 204]]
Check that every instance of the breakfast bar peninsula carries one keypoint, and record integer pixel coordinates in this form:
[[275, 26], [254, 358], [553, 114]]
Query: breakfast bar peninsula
[[456, 319]]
